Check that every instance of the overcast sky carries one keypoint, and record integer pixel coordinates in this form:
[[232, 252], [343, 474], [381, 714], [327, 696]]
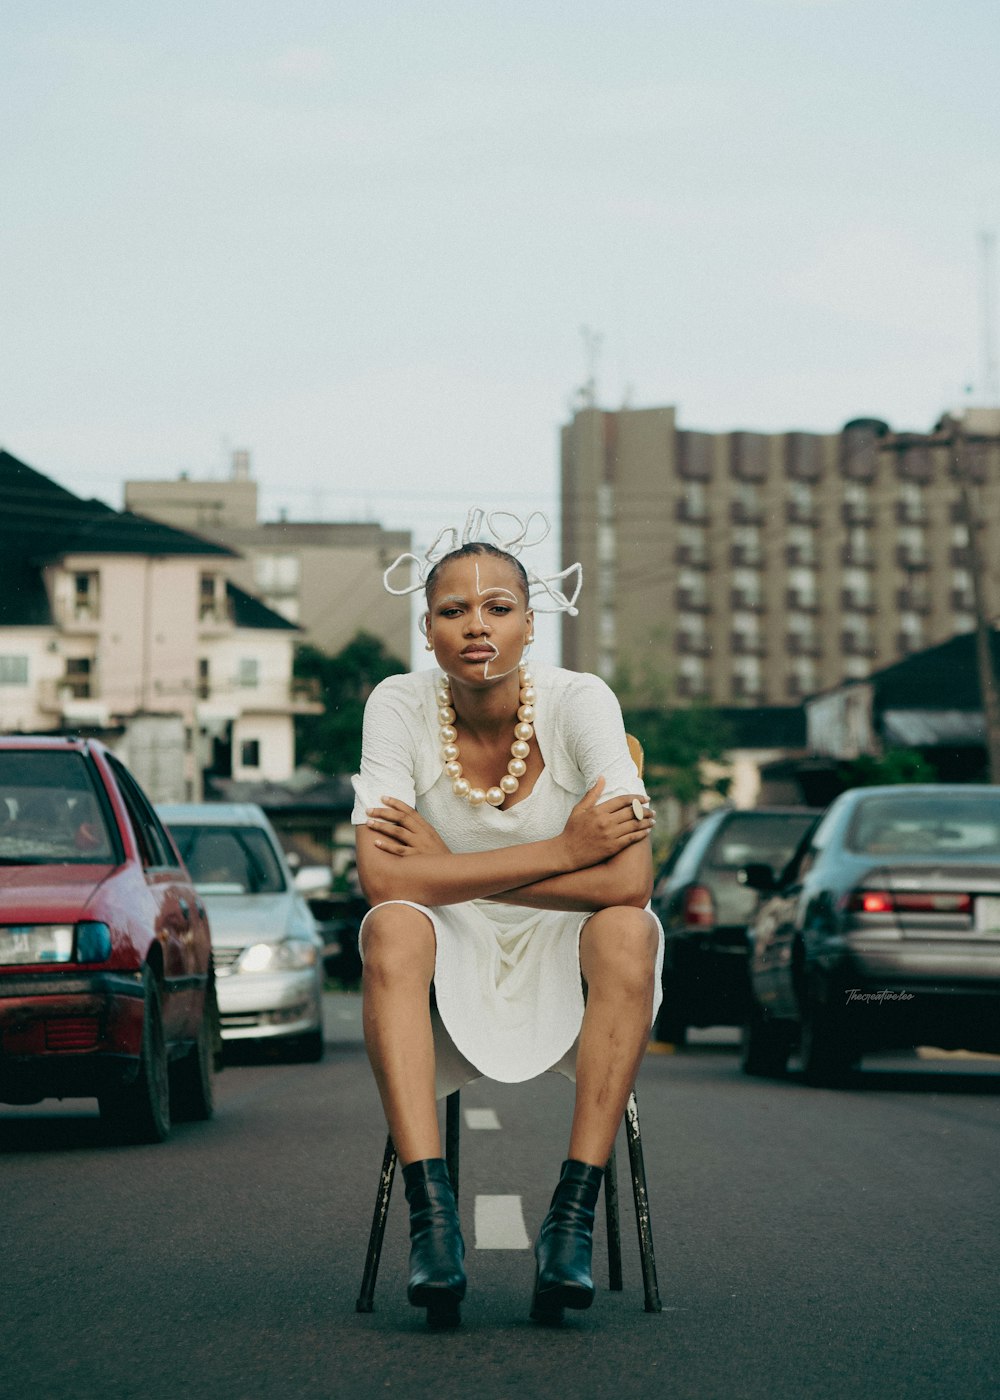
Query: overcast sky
[[361, 238]]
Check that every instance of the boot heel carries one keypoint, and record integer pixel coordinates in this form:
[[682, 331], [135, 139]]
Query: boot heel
[[562, 1251]]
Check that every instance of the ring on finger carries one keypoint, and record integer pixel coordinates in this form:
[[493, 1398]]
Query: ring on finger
[[637, 811]]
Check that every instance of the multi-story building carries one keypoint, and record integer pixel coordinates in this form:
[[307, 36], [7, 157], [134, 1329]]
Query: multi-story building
[[325, 577], [753, 568], [113, 624]]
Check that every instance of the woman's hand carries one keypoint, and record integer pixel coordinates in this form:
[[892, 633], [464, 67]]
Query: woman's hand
[[401, 831], [595, 830]]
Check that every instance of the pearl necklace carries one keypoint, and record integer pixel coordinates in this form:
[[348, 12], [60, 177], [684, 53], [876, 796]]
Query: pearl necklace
[[519, 749]]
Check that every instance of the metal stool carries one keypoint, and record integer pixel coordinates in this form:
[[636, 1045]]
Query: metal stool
[[365, 1303]]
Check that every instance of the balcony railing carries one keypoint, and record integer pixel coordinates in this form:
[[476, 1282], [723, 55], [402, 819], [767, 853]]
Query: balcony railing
[[694, 556], [856, 602], [747, 644], [910, 600]]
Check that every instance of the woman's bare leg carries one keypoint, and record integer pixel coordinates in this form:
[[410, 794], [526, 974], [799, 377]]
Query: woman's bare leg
[[618, 960], [399, 950]]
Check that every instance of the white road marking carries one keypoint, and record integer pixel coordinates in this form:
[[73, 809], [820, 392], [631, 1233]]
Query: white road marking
[[500, 1223], [481, 1118]]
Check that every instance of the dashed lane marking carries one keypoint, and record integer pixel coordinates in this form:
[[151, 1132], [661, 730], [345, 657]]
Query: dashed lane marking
[[500, 1223], [481, 1118]]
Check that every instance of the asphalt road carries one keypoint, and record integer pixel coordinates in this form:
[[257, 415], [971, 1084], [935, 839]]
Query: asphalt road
[[810, 1243]]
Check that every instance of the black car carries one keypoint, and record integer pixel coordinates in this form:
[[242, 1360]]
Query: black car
[[883, 933], [704, 910]]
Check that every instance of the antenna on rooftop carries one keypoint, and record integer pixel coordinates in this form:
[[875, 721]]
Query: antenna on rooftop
[[990, 384], [592, 342]]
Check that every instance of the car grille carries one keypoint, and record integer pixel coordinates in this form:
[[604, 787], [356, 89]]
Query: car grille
[[225, 958]]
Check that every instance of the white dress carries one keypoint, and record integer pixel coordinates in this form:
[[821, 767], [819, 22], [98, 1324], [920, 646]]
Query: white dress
[[507, 981]]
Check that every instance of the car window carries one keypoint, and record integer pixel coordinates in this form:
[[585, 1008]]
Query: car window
[[229, 859], [155, 850], [51, 811], [758, 837], [967, 826]]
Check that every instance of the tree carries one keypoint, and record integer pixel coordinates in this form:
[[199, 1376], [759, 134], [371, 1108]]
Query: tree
[[676, 740], [894, 766], [331, 741]]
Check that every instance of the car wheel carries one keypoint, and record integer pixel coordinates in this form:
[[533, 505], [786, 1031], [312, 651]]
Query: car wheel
[[140, 1111], [826, 1050], [192, 1097], [766, 1045], [306, 1049]]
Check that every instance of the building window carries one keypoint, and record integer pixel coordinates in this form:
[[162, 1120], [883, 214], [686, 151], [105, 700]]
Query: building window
[[277, 573], [248, 675], [250, 753], [204, 678], [77, 677], [86, 597], [13, 670], [208, 592]]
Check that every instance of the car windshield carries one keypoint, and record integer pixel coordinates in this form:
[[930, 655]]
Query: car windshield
[[49, 811], [770, 838], [229, 859], [938, 825]]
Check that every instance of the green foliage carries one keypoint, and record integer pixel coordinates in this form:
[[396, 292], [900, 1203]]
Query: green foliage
[[331, 741], [676, 740], [676, 743], [895, 766]]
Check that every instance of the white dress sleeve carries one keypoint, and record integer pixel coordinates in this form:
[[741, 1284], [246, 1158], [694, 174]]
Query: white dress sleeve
[[594, 735], [390, 738]]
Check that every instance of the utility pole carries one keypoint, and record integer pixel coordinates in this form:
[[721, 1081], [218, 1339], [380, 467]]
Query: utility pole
[[989, 690]]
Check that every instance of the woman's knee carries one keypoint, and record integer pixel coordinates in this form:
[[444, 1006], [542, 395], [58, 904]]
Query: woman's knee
[[397, 941], [620, 943]]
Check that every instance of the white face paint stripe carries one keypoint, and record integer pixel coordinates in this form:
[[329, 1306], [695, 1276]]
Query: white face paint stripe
[[488, 596]]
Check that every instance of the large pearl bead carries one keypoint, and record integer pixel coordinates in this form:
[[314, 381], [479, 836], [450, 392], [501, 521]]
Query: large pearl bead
[[450, 753], [518, 767], [528, 694], [494, 796], [477, 797], [520, 749], [446, 715], [460, 787], [453, 769], [509, 783], [526, 713], [447, 733], [523, 731]]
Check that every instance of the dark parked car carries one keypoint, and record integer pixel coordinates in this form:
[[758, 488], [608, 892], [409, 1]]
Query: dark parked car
[[106, 980], [704, 910], [884, 932]]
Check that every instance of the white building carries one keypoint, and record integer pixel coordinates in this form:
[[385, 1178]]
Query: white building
[[117, 625]]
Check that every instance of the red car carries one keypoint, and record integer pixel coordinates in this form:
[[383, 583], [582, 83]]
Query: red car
[[106, 979]]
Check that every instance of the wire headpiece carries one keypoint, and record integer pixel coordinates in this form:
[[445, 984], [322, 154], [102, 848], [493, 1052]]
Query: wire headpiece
[[512, 538]]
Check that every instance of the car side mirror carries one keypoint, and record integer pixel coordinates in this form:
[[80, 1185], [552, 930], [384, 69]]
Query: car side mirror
[[758, 876]]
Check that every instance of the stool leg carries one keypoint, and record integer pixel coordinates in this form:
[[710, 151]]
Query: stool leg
[[642, 1220], [613, 1223], [365, 1303], [452, 1125]]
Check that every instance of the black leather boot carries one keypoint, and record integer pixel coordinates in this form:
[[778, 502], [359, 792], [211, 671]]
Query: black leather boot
[[437, 1278], [565, 1242]]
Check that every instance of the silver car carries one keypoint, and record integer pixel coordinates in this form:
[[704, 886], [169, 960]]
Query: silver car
[[267, 952]]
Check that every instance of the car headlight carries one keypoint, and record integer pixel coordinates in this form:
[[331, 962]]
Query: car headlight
[[87, 942], [290, 955]]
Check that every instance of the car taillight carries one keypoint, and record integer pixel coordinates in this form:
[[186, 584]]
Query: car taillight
[[909, 902], [699, 907]]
